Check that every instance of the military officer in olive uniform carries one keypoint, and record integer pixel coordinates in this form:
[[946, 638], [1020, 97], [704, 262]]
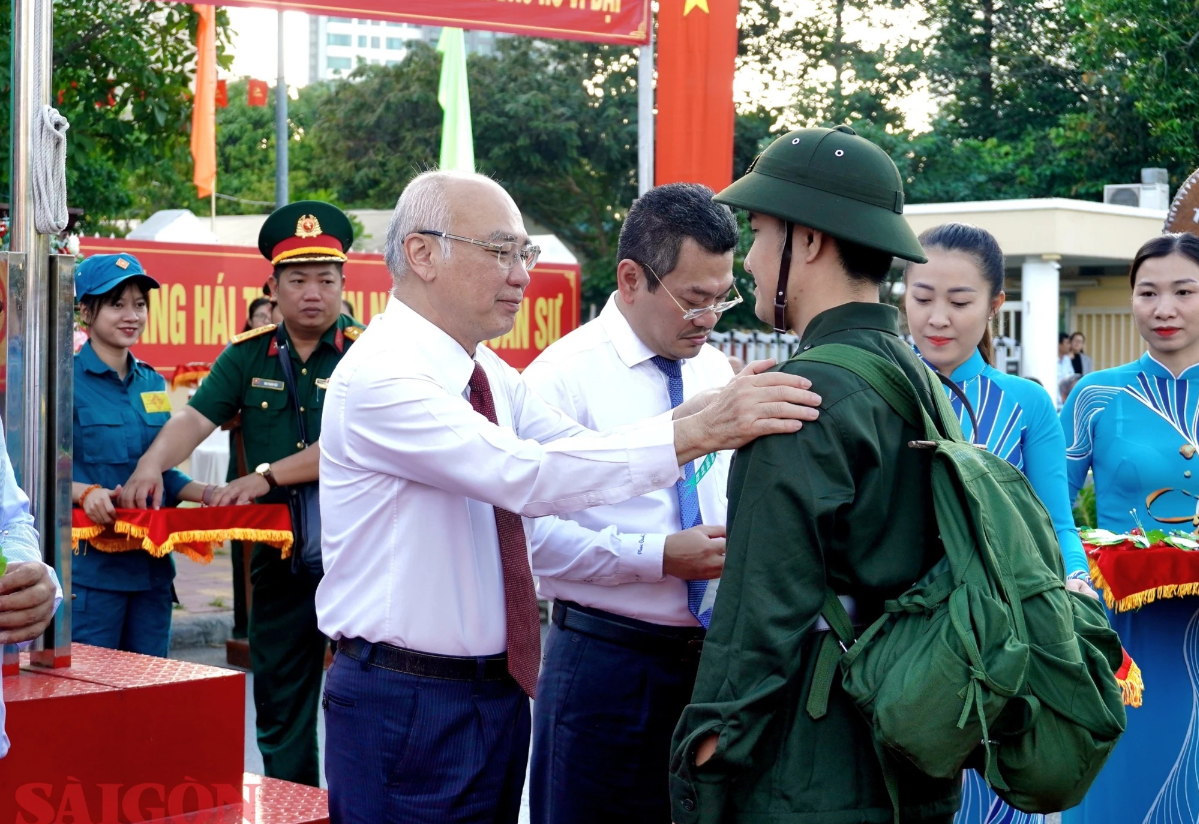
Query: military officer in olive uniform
[[844, 502], [306, 242]]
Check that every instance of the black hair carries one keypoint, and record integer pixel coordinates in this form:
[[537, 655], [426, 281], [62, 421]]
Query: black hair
[[1074, 335], [864, 262], [980, 245], [1176, 243], [255, 305], [92, 303], [1063, 337], [660, 219]]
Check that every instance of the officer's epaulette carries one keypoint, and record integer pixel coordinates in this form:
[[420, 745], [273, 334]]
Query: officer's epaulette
[[241, 337], [352, 332]]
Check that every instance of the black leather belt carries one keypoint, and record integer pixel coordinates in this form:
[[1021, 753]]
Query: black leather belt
[[683, 643], [410, 662]]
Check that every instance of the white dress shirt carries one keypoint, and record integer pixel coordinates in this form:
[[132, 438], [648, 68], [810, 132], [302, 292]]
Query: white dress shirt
[[410, 474], [610, 557], [20, 543]]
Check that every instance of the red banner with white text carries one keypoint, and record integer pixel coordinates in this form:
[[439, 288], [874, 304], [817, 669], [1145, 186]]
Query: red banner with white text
[[624, 22], [206, 290]]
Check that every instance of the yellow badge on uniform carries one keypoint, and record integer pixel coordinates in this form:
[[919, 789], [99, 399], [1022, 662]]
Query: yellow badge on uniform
[[156, 401], [322, 383]]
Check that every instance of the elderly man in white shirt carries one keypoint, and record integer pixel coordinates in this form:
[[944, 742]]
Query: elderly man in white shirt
[[629, 580], [431, 451]]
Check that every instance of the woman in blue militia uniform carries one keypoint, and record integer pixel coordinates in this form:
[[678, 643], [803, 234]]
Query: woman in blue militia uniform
[[949, 303], [122, 600], [1136, 427]]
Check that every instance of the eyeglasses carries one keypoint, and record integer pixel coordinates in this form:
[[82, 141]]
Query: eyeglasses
[[506, 252], [719, 307]]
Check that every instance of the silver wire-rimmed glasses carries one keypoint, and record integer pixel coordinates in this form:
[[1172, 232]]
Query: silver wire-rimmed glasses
[[506, 252], [719, 307]]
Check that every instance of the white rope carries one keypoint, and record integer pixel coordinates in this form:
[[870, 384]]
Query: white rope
[[50, 172]]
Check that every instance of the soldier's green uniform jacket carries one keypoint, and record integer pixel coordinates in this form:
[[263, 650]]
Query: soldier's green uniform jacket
[[844, 500], [247, 378]]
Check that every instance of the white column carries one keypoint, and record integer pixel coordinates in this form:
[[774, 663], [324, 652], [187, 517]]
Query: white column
[[645, 111], [1042, 299]]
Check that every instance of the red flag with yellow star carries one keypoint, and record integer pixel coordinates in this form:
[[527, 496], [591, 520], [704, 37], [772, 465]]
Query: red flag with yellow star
[[697, 55]]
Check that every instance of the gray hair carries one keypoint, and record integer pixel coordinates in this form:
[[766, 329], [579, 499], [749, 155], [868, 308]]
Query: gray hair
[[422, 207]]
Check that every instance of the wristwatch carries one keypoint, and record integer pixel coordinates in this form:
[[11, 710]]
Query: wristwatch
[[264, 469]]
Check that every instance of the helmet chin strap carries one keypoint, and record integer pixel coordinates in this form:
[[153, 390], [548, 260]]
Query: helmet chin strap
[[780, 294]]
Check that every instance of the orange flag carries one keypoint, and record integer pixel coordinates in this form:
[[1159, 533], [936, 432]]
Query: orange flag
[[257, 93], [204, 104], [222, 94], [697, 55]]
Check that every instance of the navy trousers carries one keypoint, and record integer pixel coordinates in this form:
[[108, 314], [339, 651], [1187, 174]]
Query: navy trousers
[[131, 621], [602, 725], [405, 749]]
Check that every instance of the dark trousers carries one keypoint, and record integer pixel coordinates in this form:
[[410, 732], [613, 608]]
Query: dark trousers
[[240, 614], [602, 725], [130, 621], [287, 654], [406, 749]]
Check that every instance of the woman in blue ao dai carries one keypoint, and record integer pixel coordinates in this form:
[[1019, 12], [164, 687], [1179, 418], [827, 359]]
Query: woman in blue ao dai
[[1136, 427], [950, 302]]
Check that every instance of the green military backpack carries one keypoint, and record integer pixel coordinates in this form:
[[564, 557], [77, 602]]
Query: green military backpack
[[988, 661]]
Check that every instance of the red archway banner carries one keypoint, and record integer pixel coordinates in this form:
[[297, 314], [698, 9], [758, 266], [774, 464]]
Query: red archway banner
[[624, 22]]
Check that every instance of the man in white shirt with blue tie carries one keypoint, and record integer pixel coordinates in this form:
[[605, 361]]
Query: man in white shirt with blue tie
[[629, 581], [432, 450]]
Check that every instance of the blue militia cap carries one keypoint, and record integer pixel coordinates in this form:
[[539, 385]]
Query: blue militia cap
[[100, 273]]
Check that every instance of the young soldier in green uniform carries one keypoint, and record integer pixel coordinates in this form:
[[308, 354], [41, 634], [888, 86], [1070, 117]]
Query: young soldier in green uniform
[[845, 501], [306, 242]]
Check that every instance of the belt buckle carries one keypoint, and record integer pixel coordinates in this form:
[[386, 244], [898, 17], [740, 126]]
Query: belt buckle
[[694, 648]]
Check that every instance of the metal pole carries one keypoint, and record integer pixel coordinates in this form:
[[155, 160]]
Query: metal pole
[[281, 132], [645, 113], [27, 420]]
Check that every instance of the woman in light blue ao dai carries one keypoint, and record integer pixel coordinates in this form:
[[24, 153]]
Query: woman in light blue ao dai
[[1136, 428], [950, 302]]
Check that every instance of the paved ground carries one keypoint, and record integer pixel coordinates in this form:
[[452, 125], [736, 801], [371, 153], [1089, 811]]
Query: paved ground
[[205, 588]]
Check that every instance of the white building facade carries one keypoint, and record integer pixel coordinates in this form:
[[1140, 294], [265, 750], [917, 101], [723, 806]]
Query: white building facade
[[337, 45]]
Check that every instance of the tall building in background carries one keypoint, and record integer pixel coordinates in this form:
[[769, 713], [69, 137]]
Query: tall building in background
[[338, 44]]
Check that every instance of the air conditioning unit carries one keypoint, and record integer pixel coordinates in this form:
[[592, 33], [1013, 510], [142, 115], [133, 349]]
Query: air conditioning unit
[[1138, 195]]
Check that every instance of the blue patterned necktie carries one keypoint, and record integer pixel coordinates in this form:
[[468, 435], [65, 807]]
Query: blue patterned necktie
[[688, 493]]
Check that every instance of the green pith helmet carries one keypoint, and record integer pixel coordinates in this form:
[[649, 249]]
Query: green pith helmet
[[307, 231], [834, 181]]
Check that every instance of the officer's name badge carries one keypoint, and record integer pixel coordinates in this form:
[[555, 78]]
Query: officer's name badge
[[263, 383], [322, 383], [156, 401]]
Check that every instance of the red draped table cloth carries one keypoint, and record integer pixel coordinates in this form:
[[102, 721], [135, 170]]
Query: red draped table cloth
[[193, 531]]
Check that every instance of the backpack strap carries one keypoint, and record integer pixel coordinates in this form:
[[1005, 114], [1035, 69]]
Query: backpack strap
[[892, 385]]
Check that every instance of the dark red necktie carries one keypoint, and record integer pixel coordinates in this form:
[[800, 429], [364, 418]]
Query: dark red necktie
[[520, 599]]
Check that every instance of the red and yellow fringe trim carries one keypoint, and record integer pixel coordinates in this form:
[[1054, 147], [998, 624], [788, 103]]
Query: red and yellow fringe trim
[[1131, 683], [186, 543], [1138, 599]]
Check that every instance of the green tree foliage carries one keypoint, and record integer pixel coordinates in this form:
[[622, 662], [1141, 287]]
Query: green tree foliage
[[123, 74], [1048, 98], [245, 151], [1142, 59], [821, 54]]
